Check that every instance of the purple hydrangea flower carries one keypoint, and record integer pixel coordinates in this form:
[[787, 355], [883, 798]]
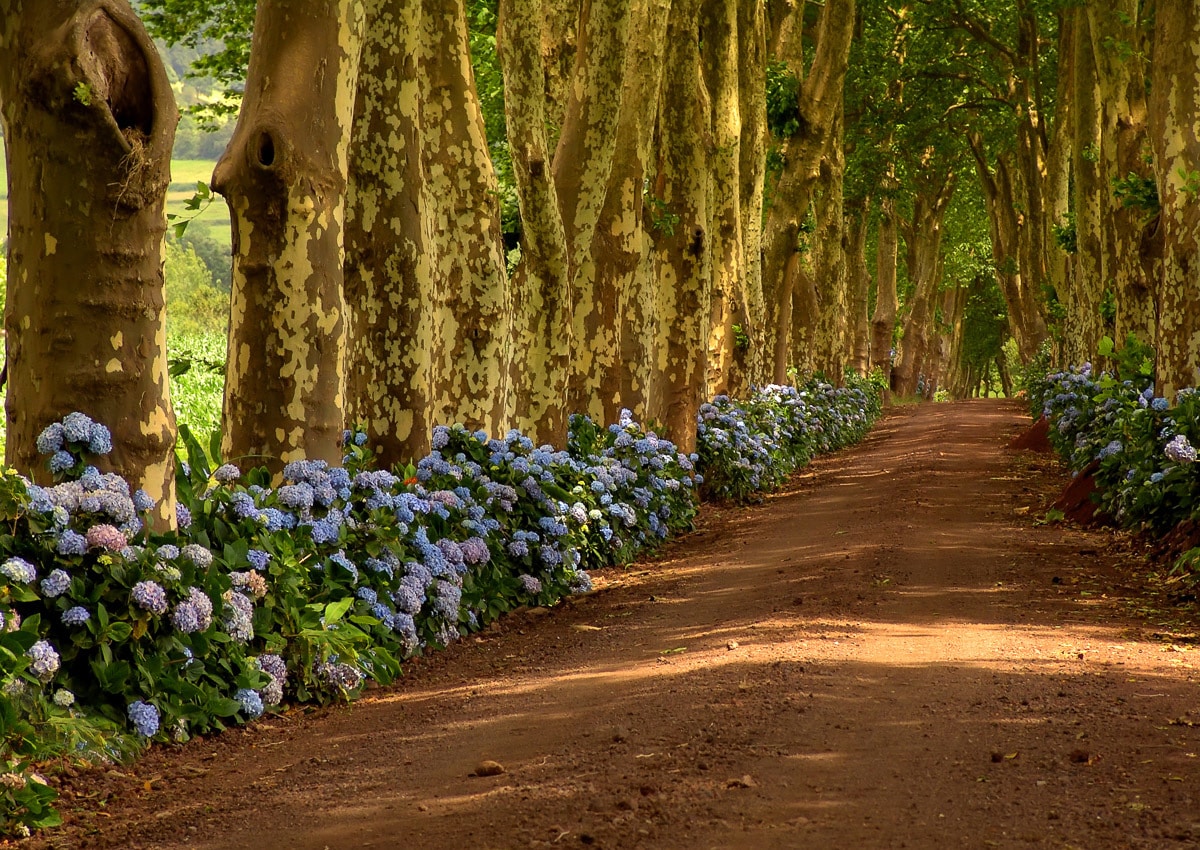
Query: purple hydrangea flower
[[43, 661], [529, 584], [149, 596], [183, 517], [193, 614], [227, 473]]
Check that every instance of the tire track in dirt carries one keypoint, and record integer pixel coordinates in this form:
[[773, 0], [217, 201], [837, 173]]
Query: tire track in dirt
[[890, 654]]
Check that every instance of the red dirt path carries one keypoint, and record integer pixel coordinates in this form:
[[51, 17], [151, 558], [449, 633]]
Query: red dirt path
[[891, 654]]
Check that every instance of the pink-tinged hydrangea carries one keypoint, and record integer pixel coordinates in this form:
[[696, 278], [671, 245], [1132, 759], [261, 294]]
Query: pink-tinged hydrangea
[[249, 582], [106, 537]]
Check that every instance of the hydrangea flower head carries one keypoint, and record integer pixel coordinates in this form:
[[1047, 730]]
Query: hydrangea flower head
[[144, 717], [106, 537], [56, 583]]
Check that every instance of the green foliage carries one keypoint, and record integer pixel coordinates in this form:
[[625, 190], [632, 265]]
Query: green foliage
[[1191, 182], [220, 31], [197, 367], [197, 204], [1136, 192], [83, 94], [1108, 308], [662, 219], [195, 304], [1132, 362], [783, 104], [1066, 235]]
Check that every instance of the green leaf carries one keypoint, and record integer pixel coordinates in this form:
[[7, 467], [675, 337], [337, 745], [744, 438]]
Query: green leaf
[[334, 611]]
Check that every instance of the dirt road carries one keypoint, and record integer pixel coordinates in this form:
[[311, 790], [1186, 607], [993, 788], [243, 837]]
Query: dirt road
[[889, 655]]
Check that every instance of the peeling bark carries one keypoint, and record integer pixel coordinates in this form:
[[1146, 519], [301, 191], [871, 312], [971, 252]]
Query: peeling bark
[[883, 320], [284, 177], [1175, 134], [858, 284], [391, 294], [471, 369], [89, 120], [683, 258]]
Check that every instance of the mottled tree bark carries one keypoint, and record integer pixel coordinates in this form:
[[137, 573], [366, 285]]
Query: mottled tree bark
[[858, 284], [1084, 326], [1175, 134], [820, 100], [1129, 259], [582, 167], [541, 293], [883, 320], [284, 177], [752, 168], [391, 294], [622, 242], [831, 330], [471, 370], [89, 121], [683, 258], [719, 28]]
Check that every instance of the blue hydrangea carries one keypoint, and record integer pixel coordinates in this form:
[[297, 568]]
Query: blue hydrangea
[[56, 583], [99, 440], [198, 555], [51, 439], [251, 701], [193, 614], [258, 559], [144, 717], [61, 461], [142, 501], [183, 517], [227, 473], [19, 570], [168, 552], [77, 427], [76, 616]]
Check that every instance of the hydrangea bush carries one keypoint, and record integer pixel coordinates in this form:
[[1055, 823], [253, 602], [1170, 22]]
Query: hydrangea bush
[[1139, 446], [308, 587]]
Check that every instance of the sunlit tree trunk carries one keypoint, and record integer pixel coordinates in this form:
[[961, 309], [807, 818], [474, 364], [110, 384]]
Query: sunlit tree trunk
[[719, 25], [541, 295], [391, 294], [284, 177], [1129, 261], [1174, 95], [622, 240], [1089, 275], [582, 168], [89, 121], [831, 332], [1056, 222], [471, 371], [683, 259], [820, 101], [752, 152]]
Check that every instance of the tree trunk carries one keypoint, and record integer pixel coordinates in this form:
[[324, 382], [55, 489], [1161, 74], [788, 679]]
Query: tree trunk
[[1175, 91], [883, 320], [624, 280], [89, 121], [471, 373], [719, 26], [582, 168], [750, 359], [831, 333], [683, 258], [1059, 263], [820, 101], [1129, 260], [1084, 326], [924, 240], [284, 177], [858, 283], [391, 294]]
